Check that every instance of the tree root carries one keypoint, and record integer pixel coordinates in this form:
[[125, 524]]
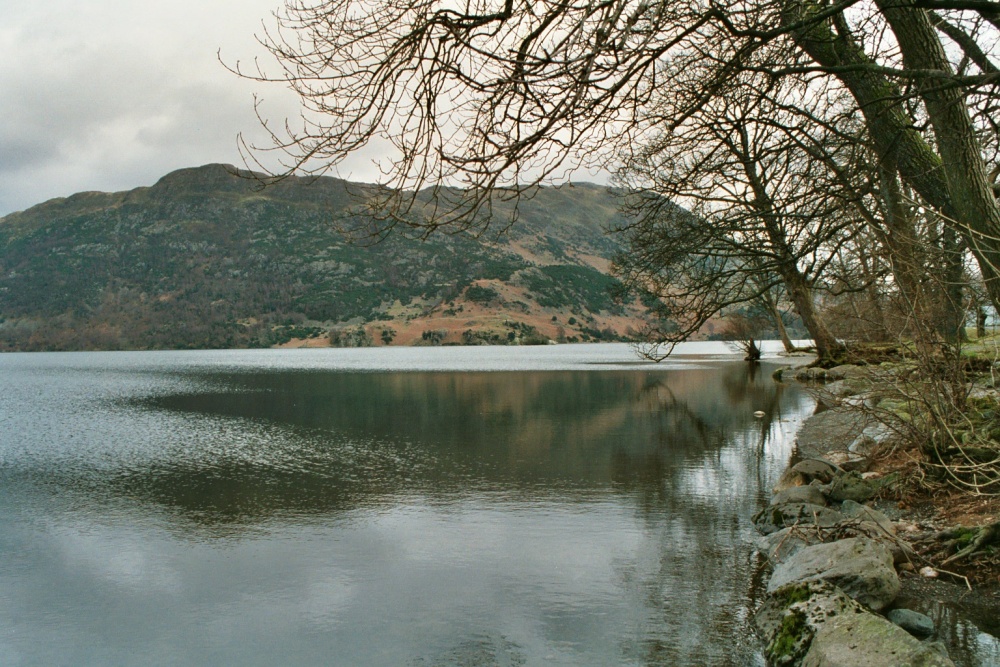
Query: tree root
[[974, 540]]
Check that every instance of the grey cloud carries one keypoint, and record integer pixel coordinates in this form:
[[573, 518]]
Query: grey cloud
[[111, 96]]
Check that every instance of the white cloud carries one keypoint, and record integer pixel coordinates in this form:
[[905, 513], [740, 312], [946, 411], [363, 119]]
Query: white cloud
[[110, 95], [113, 94]]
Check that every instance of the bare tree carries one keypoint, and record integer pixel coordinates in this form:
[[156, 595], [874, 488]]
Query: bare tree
[[892, 53], [498, 96], [764, 213]]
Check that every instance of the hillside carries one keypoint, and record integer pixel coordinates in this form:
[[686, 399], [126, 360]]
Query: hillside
[[206, 259]]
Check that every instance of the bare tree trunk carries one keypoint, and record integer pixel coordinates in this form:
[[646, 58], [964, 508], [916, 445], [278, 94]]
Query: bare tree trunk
[[772, 305], [909, 263], [954, 182], [799, 291], [953, 289], [797, 285], [875, 295]]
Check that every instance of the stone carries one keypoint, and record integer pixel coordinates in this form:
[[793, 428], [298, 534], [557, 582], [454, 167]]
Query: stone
[[833, 394], [848, 461], [850, 486], [928, 572], [774, 518], [835, 374], [871, 439], [860, 400], [919, 625], [789, 478], [779, 546], [829, 430], [838, 392], [816, 469], [859, 566], [790, 617], [811, 375], [799, 494], [848, 372], [851, 640], [856, 510]]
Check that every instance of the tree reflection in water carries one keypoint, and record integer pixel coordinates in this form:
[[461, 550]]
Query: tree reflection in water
[[453, 469]]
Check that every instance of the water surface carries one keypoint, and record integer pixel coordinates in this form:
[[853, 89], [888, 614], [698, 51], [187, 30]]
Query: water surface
[[462, 506]]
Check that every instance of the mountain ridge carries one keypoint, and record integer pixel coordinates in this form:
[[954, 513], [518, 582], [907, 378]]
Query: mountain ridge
[[206, 257]]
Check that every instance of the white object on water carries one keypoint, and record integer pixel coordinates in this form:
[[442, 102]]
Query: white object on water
[[758, 414]]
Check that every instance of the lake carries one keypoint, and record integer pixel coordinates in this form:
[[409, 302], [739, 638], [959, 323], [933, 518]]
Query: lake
[[559, 505]]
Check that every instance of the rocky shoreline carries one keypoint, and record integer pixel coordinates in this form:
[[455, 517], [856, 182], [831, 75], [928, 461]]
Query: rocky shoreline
[[835, 559]]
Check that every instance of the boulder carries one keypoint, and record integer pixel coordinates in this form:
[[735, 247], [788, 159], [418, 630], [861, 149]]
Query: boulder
[[799, 494], [851, 486], [829, 430], [859, 566], [790, 617], [870, 439], [810, 374], [848, 372], [789, 479], [837, 393], [856, 510], [818, 469], [848, 461], [779, 546], [833, 394], [774, 518], [850, 640], [919, 625]]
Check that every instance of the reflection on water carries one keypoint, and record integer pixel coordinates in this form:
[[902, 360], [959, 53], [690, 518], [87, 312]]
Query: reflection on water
[[970, 627], [236, 508]]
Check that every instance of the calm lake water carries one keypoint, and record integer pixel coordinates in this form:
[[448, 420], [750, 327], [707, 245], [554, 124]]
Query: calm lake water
[[561, 505]]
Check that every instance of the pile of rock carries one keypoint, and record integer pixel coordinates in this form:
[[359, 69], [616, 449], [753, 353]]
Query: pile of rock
[[834, 563]]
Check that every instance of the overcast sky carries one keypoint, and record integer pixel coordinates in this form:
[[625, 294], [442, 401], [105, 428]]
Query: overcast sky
[[112, 94]]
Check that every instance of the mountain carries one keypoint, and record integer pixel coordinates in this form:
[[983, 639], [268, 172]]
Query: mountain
[[205, 258]]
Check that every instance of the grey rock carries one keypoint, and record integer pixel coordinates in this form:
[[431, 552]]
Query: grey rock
[[860, 400], [811, 375], [818, 469], [985, 392], [871, 439], [859, 566], [829, 430], [774, 518], [837, 392], [848, 372], [848, 461], [790, 617], [851, 640], [901, 550], [789, 479], [863, 445], [779, 546], [851, 486], [799, 494], [835, 374], [919, 625], [834, 393], [856, 510]]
